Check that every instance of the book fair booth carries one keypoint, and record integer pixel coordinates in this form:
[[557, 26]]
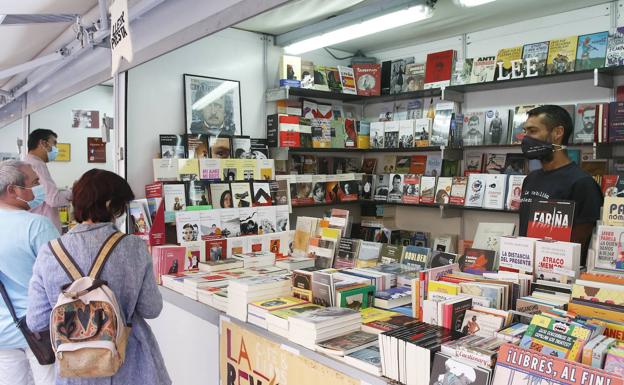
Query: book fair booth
[[337, 193]]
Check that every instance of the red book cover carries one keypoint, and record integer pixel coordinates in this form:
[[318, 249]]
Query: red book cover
[[368, 79], [347, 191], [418, 164], [439, 66], [289, 135], [608, 185], [351, 133], [216, 249], [154, 190], [411, 192], [551, 219], [170, 259]]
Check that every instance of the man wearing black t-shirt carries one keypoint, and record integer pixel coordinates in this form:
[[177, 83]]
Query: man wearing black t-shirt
[[548, 129]]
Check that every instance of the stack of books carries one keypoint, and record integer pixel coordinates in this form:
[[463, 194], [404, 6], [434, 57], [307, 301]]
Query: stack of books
[[257, 311], [277, 320], [347, 344], [253, 289], [310, 328]]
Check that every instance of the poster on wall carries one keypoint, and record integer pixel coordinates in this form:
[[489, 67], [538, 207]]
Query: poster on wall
[[64, 152], [85, 119], [96, 150], [246, 357], [212, 106]]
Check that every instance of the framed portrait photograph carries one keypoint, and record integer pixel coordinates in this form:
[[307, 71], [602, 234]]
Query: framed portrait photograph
[[212, 106]]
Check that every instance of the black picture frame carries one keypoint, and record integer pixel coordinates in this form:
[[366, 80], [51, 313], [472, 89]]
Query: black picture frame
[[224, 108]]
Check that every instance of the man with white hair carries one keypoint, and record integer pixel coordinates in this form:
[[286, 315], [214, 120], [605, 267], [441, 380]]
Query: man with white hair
[[23, 233]]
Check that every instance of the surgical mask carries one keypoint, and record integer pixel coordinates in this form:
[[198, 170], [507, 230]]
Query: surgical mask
[[538, 149], [53, 153], [39, 196]]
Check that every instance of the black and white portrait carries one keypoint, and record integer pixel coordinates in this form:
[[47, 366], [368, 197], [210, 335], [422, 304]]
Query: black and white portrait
[[212, 106]]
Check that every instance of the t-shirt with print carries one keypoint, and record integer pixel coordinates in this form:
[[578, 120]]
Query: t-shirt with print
[[568, 182]]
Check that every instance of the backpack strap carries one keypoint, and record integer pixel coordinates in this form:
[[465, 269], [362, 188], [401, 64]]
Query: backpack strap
[[104, 253], [65, 260]]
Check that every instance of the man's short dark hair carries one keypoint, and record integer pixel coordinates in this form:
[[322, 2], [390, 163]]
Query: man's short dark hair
[[555, 116], [37, 135]]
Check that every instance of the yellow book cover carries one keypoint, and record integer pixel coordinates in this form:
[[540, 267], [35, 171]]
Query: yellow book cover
[[598, 294], [443, 287], [614, 330], [188, 167], [561, 55], [229, 170], [278, 303], [595, 312], [265, 169], [507, 55], [363, 142], [330, 233], [371, 314], [303, 294]]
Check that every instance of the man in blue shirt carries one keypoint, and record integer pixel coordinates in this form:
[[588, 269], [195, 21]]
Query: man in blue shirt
[[23, 234]]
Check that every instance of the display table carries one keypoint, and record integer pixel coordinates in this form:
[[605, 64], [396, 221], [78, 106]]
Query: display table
[[188, 333]]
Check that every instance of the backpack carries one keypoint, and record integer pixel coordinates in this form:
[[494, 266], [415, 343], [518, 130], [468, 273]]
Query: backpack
[[88, 330]]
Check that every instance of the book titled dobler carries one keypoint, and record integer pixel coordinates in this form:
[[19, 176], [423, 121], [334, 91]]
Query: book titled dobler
[[551, 219]]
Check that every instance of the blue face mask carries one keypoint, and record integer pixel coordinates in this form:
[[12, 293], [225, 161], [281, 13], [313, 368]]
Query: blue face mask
[[39, 196], [52, 154]]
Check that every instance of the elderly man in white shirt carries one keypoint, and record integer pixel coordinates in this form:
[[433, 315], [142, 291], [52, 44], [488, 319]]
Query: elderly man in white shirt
[[42, 149]]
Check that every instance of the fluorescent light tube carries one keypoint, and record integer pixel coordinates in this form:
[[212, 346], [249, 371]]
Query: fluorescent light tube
[[472, 3], [213, 95], [368, 27]]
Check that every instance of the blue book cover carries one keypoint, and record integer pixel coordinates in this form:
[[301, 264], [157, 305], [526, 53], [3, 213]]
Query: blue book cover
[[393, 293], [416, 256], [591, 51]]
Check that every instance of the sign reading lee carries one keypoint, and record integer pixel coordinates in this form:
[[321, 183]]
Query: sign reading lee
[[121, 43], [249, 359]]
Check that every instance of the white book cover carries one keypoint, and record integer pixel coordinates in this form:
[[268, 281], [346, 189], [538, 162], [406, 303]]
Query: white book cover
[[174, 196], [210, 169], [238, 245], [514, 192], [422, 132], [443, 190], [442, 123], [347, 78], [396, 188], [406, 133], [267, 219], [188, 226], [427, 189], [248, 220], [282, 218], [557, 261], [391, 134], [481, 324], [488, 235], [230, 223], [495, 185], [377, 134], [210, 223], [609, 247], [473, 132], [517, 253], [165, 169], [475, 191], [458, 190]]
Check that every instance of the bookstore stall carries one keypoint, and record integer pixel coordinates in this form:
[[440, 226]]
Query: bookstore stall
[[325, 216]]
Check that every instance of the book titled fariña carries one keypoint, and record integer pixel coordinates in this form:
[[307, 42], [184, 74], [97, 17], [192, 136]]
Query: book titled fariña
[[551, 219]]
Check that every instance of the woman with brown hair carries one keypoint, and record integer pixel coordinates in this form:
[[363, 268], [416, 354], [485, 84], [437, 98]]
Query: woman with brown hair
[[100, 197]]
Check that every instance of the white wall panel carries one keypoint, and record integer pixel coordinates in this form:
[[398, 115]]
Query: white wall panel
[[9, 135]]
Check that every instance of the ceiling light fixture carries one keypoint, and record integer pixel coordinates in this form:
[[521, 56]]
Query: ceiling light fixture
[[472, 3], [358, 23]]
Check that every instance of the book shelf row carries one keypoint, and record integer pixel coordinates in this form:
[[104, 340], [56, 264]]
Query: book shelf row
[[431, 206]]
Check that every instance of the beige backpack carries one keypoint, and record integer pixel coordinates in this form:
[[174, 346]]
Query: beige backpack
[[87, 327]]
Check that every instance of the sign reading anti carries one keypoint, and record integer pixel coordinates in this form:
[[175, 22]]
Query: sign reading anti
[[121, 42]]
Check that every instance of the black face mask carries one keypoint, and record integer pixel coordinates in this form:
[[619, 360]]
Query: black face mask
[[538, 149]]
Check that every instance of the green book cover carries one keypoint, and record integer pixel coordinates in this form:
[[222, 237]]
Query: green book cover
[[358, 298], [338, 135]]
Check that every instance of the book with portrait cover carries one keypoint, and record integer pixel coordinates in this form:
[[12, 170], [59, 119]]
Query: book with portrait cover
[[411, 189], [561, 55], [368, 79], [462, 71], [172, 146], [539, 53], [551, 219], [415, 77], [584, 123], [474, 125], [439, 68], [591, 51], [496, 126]]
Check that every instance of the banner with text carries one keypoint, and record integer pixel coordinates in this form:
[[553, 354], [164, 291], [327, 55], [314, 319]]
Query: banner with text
[[121, 43]]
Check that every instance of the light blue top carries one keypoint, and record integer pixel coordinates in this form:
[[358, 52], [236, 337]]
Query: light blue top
[[22, 235], [130, 276]]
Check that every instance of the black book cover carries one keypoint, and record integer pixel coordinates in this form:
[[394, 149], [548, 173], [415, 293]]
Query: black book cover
[[551, 219], [386, 75], [172, 146], [198, 193], [196, 146]]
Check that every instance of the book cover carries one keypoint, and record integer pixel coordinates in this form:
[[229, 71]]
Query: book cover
[[397, 75], [210, 169], [321, 133], [556, 260], [248, 220], [377, 135], [537, 53], [188, 226], [350, 128], [434, 165], [609, 250], [418, 164], [290, 67], [458, 190], [320, 78], [494, 163], [391, 253], [368, 79], [416, 256], [517, 253], [188, 169], [442, 124], [411, 189], [483, 69], [520, 116], [439, 69], [481, 324], [561, 55], [496, 127], [165, 169], [443, 190], [333, 79], [488, 234], [477, 261], [348, 343], [403, 163], [346, 254], [357, 298], [347, 79], [462, 72], [241, 194], [584, 123], [220, 147], [446, 369], [172, 146], [415, 77], [396, 188], [495, 187], [366, 192], [473, 163], [506, 56], [515, 164], [174, 197], [307, 74], [591, 51], [555, 337], [514, 192], [422, 132], [198, 193], [474, 128], [551, 219], [427, 189], [391, 134], [475, 190], [382, 187], [230, 223], [406, 133], [615, 48]]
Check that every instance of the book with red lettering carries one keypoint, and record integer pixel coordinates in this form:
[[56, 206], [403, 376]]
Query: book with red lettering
[[368, 79], [518, 366], [557, 261], [551, 219], [439, 68]]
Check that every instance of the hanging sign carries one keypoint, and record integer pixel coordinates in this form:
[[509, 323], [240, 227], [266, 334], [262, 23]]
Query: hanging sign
[[121, 43]]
